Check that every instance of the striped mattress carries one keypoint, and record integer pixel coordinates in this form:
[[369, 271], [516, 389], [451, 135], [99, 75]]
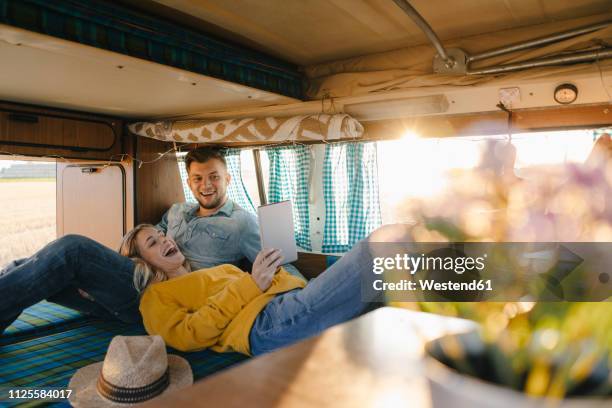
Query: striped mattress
[[51, 357]]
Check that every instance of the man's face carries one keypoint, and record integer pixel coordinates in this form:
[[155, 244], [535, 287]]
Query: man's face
[[208, 182]]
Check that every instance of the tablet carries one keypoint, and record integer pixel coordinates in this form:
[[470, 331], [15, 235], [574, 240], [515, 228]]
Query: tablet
[[276, 229]]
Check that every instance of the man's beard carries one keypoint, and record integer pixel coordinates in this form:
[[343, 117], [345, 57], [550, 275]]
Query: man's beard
[[213, 204]]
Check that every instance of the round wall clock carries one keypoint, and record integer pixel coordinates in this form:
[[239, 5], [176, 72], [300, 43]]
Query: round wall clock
[[566, 93]]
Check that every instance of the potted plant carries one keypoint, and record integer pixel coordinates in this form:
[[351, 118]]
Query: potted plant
[[526, 353], [547, 354]]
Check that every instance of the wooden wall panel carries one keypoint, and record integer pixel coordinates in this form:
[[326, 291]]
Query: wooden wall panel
[[310, 265], [37, 132], [490, 123], [566, 117], [158, 184]]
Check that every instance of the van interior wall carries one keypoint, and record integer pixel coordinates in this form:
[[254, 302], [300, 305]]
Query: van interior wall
[[492, 123], [43, 132], [158, 183]]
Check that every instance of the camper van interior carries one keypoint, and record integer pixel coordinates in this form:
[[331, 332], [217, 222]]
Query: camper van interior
[[457, 121]]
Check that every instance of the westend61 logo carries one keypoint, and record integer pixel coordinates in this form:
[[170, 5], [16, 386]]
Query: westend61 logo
[[422, 262], [440, 271], [491, 271]]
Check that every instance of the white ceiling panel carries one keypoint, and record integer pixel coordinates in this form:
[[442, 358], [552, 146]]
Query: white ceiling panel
[[43, 70]]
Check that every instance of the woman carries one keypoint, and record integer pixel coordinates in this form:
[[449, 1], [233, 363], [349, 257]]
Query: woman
[[226, 309], [222, 307]]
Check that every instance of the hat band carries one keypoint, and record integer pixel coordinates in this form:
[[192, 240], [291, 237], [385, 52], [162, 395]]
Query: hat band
[[132, 395]]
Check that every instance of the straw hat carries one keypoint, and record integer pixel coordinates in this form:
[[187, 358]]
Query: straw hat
[[135, 369]]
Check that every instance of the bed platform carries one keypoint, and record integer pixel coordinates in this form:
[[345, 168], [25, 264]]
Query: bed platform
[[42, 349], [41, 319]]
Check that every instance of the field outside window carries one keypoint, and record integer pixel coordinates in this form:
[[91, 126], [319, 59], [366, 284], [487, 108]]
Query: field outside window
[[27, 203]]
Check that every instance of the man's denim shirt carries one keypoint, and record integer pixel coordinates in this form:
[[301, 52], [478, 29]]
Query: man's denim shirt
[[227, 236]]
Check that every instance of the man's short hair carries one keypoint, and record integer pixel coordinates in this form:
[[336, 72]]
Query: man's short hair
[[202, 155]]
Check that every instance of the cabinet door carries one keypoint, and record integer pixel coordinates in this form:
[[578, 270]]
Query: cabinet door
[[91, 201], [43, 132]]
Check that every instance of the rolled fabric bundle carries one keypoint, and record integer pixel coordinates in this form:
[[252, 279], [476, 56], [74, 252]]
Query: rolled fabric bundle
[[318, 127]]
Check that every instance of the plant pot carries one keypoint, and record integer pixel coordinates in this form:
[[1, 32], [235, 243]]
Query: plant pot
[[449, 388]]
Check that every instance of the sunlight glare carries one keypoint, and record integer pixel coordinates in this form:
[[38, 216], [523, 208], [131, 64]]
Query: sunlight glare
[[420, 167], [414, 167]]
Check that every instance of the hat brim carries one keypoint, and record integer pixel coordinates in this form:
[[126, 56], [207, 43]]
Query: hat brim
[[85, 394]]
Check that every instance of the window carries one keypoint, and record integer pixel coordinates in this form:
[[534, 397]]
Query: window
[[423, 167], [28, 201], [249, 175], [236, 189]]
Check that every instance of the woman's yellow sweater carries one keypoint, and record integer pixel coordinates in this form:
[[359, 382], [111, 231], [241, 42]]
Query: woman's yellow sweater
[[210, 308]]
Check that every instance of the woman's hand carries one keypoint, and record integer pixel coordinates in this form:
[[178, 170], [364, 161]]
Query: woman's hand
[[265, 266]]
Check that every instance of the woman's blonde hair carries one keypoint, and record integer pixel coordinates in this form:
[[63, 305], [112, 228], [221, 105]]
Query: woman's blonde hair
[[144, 274]]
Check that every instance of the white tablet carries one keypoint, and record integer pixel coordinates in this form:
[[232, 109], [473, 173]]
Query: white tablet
[[276, 229]]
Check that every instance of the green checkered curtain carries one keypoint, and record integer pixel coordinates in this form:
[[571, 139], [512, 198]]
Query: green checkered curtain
[[350, 187], [183, 172], [289, 180], [236, 190]]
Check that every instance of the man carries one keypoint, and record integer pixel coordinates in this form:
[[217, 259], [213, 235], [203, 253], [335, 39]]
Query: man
[[215, 230]]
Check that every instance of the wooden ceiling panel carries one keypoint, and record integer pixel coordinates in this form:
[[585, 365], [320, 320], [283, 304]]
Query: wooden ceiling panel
[[315, 31]]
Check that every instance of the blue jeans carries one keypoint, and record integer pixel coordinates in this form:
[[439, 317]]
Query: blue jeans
[[57, 271], [331, 298]]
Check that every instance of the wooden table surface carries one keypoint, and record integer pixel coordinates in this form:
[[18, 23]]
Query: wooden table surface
[[373, 361]]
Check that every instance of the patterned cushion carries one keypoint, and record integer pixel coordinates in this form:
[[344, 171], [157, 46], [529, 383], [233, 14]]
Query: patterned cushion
[[50, 361]]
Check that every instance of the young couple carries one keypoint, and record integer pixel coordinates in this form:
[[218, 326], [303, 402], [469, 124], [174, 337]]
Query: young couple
[[180, 277]]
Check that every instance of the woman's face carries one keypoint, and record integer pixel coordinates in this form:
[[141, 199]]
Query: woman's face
[[158, 250]]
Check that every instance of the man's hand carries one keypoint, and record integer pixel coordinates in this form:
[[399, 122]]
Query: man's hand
[[265, 266]]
